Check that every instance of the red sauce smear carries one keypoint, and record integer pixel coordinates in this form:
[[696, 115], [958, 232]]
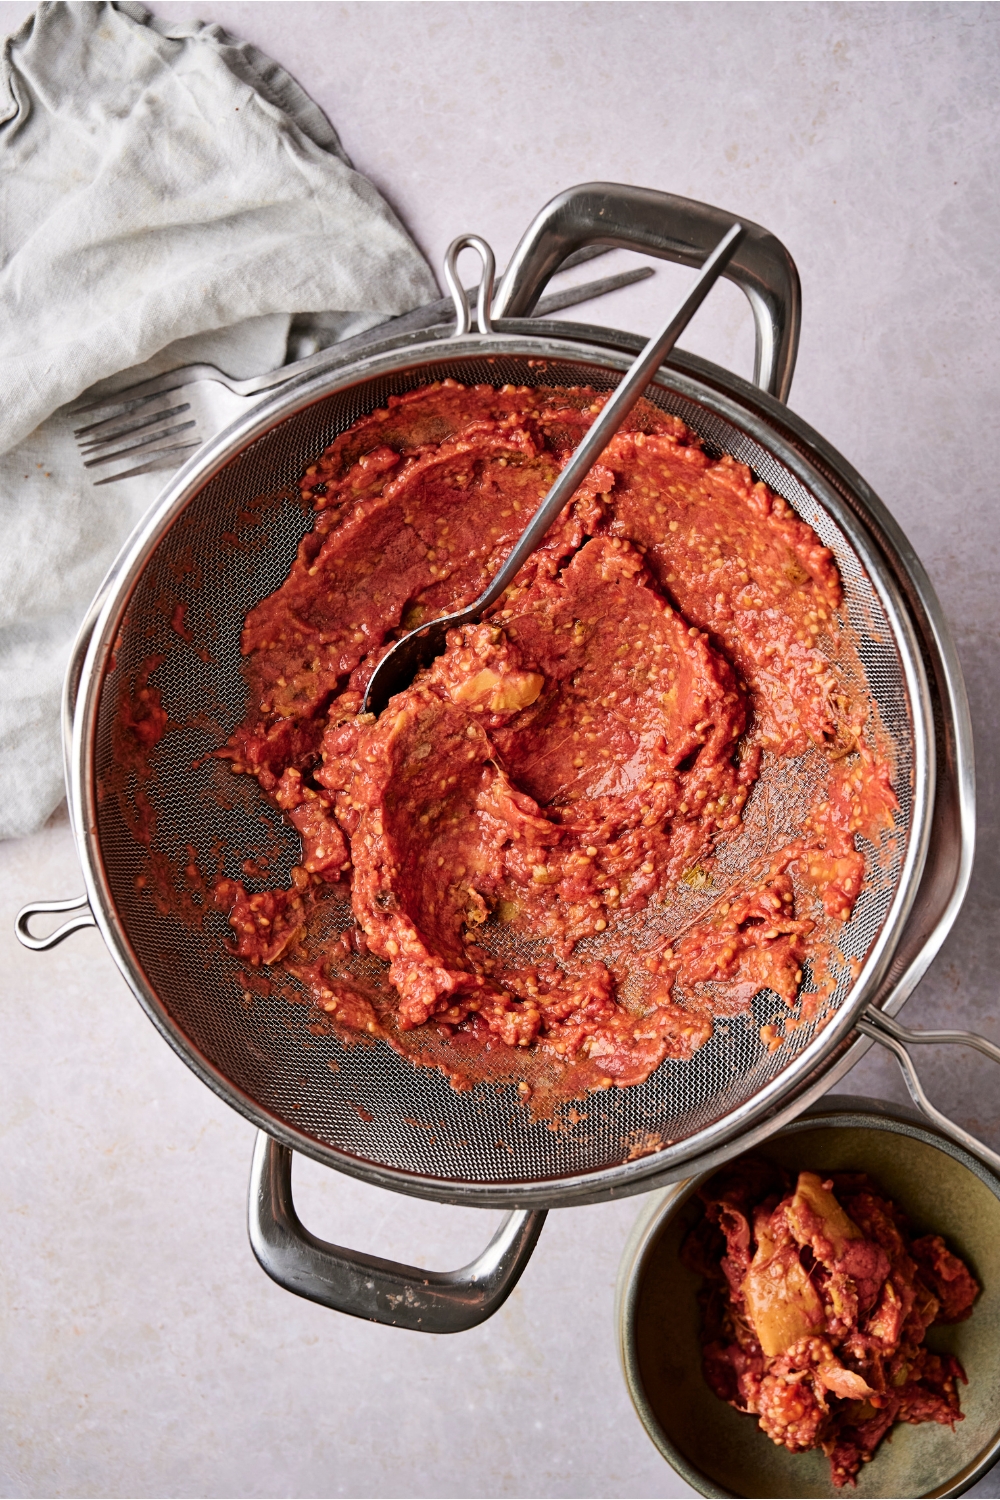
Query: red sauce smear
[[815, 1306], [567, 761]]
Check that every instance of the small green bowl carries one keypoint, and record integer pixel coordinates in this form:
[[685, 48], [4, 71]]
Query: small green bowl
[[719, 1451]]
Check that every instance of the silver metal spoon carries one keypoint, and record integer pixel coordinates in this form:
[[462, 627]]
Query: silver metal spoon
[[398, 667]]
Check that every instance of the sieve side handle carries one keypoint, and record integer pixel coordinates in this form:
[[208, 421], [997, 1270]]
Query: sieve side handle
[[82, 917], [677, 229], [890, 1034], [366, 1286]]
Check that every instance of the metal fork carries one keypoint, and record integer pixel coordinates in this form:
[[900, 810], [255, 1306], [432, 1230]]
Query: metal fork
[[162, 419]]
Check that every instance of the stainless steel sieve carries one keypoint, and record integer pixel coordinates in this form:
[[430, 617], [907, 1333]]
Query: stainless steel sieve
[[222, 537]]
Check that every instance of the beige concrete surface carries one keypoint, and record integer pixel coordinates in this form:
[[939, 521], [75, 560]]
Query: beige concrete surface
[[143, 1352]]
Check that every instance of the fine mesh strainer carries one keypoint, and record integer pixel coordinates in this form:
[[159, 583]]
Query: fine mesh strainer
[[223, 536]]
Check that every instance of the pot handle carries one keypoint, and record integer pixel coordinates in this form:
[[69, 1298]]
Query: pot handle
[[84, 917], [888, 1032], [678, 229], [366, 1286]]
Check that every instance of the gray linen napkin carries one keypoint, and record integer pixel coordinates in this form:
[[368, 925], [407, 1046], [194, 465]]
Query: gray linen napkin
[[167, 195]]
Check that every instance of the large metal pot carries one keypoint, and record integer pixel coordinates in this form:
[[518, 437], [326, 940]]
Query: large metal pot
[[183, 981]]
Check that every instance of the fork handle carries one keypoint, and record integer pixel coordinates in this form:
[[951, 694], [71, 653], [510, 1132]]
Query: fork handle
[[431, 315], [420, 317]]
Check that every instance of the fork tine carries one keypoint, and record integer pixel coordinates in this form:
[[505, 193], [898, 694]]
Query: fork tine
[[158, 419], [157, 385], [141, 414], [168, 459], [147, 442]]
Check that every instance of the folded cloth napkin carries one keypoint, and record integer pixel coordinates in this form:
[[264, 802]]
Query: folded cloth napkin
[[167, 195]]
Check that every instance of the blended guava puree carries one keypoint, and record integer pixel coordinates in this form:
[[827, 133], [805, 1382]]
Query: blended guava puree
[[568, 760]]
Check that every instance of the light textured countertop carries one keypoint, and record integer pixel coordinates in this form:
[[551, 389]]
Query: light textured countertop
[[144, 1353]]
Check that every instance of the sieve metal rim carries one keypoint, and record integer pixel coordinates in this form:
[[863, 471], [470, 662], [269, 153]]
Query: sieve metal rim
[[720, 1137]]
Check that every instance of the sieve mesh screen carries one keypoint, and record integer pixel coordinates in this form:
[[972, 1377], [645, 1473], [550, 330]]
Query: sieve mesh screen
[[231, 547]]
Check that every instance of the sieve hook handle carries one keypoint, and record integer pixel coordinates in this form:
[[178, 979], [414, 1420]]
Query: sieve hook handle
[[677, 229], [896, 1038], [83, 917], [366, 1286], [463, 317]]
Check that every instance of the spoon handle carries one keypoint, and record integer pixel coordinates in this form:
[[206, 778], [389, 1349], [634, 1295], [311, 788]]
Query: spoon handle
[[610, 418], [414, 650]]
